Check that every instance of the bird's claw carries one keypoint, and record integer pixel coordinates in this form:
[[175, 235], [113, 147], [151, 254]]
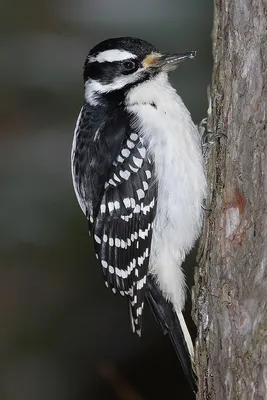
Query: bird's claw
[[208, 138]]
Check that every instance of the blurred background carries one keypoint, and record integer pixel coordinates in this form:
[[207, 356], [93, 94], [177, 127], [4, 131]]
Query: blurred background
[[63, 335]]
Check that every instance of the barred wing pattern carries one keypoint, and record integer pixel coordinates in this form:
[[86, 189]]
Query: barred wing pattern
[[122, 230]]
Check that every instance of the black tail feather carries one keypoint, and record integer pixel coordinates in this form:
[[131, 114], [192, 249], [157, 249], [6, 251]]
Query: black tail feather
[[168, 320]]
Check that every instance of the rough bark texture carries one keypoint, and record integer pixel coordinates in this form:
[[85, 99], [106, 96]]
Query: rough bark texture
[[230, 295]]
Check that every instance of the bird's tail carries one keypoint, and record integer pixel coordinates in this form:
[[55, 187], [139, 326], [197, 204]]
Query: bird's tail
[[174, 325]]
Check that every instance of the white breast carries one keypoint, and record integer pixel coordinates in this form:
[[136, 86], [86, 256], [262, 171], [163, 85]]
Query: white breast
[[173, 141]]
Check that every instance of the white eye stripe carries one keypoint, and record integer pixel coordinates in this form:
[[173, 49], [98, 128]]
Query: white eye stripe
[[112, 55], [94, 86]]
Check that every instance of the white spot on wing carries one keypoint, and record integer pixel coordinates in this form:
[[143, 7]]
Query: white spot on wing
[[140, 261], [145, 185], [124, 274], [116, 178], [130, 144], [111, 206], [133, 169], [97, 239], [105, 238], [142, 152], [125, 153], [116, 205], [134, 136], [120, 159], [137, 209], [127, 202], [125, 174], [148, 174], [139, 310], [141, 283], [138, 161], [140, 194]]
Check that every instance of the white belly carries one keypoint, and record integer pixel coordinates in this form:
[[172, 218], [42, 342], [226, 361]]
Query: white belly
[[173, 142]]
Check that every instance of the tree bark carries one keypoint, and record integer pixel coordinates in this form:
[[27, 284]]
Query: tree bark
[[230, 293]]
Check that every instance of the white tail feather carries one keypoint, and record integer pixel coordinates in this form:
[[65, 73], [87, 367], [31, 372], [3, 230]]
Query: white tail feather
[[186, 334]]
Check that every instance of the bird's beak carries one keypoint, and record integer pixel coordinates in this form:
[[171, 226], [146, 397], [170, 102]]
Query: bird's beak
[[166, 62]]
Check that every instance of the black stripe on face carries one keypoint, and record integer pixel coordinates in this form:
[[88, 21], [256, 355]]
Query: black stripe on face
[[106, 72]]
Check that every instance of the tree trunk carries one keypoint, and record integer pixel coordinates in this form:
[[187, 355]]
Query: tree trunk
[[230, 293]]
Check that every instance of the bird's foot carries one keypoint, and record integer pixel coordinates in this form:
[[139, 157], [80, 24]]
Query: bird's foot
[[208, 138], [205, 208]]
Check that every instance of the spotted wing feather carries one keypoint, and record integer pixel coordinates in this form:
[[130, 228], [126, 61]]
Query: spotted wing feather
[[123, 228], [114, 182]]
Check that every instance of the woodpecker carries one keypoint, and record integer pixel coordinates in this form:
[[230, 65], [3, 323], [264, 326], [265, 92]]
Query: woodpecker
[[138, 175]]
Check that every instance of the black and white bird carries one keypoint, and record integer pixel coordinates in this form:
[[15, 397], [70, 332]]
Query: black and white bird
[[138, 176]]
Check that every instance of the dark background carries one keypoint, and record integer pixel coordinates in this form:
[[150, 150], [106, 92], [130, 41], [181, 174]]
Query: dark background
[[62, 334]]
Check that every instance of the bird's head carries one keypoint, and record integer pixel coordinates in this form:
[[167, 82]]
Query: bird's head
[[120, 63]]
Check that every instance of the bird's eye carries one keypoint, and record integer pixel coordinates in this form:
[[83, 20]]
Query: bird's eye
[[129, 65]]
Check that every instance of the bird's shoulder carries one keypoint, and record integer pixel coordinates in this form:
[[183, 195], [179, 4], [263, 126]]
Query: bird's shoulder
[[98, 139]]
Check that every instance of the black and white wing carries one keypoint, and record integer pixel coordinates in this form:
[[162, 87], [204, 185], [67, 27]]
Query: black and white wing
[[121, 222], [123, 227]]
